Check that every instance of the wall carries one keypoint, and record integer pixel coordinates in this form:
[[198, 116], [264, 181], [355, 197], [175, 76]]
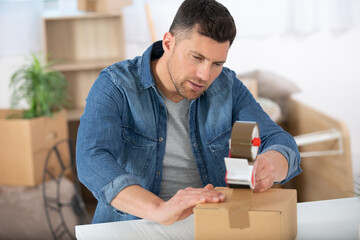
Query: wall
[[323, 62], [326, 67]]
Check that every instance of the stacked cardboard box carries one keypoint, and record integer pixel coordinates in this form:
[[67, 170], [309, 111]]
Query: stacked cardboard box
[[102, 5], [25, 144]]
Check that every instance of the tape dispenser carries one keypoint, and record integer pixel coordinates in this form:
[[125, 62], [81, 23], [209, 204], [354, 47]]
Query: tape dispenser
[[244, 147]]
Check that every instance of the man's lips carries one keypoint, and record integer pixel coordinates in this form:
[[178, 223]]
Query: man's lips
[[196, 86]]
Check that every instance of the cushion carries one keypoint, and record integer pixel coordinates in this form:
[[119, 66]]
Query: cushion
[[272, 86]]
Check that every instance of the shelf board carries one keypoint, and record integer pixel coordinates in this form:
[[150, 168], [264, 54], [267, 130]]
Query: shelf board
[[84, 65], [74, 114], [54, 15]]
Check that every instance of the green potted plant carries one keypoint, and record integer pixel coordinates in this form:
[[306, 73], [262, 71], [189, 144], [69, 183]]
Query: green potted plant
[[44, 89], [27, 135]]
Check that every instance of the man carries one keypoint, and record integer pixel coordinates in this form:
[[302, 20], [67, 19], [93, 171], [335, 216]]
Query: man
[[154, 134]]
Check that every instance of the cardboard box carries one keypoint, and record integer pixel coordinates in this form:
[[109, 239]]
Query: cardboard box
[[24, 146], [102, 5], [248, 215]]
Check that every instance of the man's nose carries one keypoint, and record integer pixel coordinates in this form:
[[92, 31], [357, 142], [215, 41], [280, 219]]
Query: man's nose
[[204, 72]]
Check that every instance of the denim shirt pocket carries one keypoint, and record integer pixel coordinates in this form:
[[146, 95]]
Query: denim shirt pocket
[[137, 151], [219, 148]]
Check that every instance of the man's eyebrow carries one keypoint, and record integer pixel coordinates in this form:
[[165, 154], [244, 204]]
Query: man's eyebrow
[[202, 56]]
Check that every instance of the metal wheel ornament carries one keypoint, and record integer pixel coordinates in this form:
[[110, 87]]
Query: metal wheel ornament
[[62, 193]]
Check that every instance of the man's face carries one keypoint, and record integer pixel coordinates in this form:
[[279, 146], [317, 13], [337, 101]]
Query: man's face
[[194, 63]]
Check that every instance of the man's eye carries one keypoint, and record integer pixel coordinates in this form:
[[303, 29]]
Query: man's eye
[[196, 57]]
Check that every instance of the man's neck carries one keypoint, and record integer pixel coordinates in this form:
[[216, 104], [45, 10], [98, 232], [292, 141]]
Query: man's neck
[[163, 80]]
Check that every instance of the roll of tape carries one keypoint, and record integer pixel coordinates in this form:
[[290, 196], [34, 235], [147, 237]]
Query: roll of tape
[[245, 140]]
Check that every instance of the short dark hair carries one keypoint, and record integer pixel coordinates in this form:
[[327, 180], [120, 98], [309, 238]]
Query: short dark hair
[[209, 17]]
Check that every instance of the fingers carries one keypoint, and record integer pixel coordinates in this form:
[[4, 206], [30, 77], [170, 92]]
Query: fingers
[[197, 196], [182, 203], [209, 186], [264, 174], [206, 194], [189, 197], [211, 195], [263, 185], [219, 197]]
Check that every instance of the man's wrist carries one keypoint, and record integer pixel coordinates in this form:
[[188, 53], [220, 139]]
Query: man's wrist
[[155, 210]]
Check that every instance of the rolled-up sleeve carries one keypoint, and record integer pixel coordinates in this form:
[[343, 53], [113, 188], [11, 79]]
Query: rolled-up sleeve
[[99, 142], [292, 158], [273, 137]]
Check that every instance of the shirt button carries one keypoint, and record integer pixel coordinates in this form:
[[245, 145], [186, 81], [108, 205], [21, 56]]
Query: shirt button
[[158, 173], [161, 106], [161, 139], [195, 144]]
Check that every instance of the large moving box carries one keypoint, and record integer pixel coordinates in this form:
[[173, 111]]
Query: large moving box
[[248, 215], [24, 146]]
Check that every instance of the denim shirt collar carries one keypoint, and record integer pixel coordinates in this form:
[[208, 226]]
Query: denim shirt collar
[[155, 51]]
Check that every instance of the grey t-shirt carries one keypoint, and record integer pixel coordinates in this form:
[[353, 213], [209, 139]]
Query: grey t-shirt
[[179, 167]]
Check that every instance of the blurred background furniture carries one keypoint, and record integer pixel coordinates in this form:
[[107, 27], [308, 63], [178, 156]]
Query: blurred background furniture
[[327, 176], [81, 44], [323, 141], [49, 210], [56, 202]]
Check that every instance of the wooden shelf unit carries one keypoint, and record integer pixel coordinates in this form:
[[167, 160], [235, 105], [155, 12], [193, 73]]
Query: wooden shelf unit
[[81, 44]]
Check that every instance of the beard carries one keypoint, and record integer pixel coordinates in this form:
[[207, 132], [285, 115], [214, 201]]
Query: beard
[[182, 85]]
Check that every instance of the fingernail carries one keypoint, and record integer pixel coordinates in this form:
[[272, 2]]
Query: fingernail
[[222, 196], [216, 199]]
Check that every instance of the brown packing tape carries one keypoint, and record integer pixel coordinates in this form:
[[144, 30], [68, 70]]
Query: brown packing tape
[[238, 216], [241, 140], [238, 207]]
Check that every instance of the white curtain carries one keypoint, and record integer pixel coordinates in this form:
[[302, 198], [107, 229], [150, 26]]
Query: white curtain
[[20, 20], [254, 18], [340, 14]]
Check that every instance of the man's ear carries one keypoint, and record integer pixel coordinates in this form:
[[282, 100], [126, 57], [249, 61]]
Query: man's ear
[[168, 42]]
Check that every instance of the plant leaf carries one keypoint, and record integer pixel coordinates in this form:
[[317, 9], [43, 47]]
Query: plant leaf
[[41, 87]]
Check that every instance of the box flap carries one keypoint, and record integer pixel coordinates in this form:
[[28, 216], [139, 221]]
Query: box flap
[[240, 201], [270, 200], [273, 202], [273, 199]]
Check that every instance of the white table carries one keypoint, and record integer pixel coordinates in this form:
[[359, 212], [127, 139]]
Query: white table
[[329, 219]]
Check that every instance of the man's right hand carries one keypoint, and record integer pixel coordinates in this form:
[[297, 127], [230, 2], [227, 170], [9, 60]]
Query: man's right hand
[[139, 202]]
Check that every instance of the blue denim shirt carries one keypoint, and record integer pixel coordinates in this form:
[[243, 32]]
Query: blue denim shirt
[[122, 133]]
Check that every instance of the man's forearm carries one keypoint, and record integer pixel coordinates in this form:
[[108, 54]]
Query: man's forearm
[[139, 202]]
